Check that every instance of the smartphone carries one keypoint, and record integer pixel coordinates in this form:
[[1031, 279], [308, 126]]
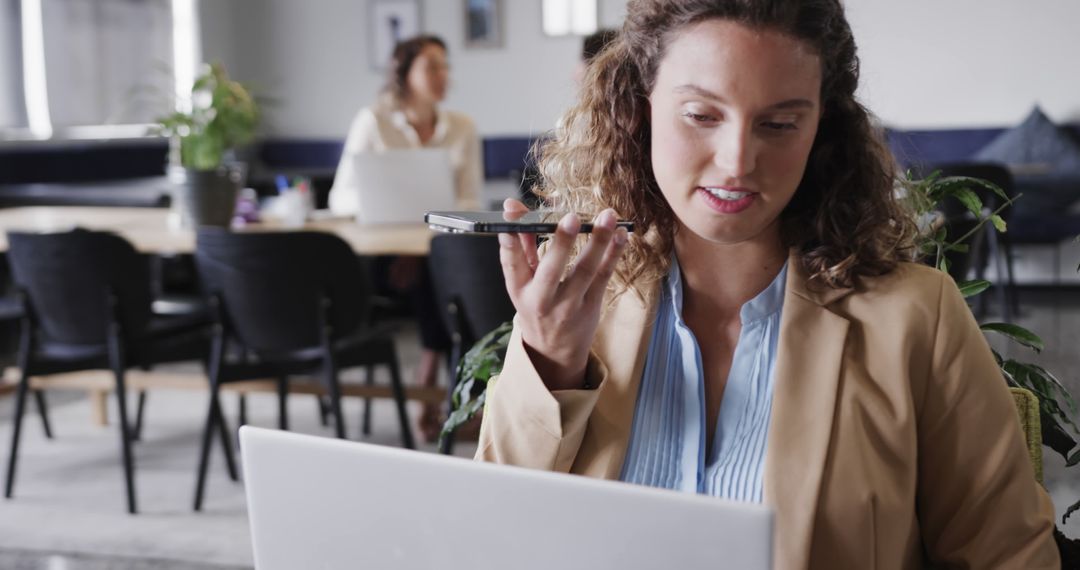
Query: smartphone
[[534, 222]]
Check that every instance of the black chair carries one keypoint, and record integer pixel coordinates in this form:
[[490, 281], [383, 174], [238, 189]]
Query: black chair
[[469, 285], [12, 314], [989, 244], [293, 303], [87, 305]]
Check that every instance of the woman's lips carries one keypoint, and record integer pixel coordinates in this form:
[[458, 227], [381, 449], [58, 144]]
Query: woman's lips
[[727, 200]]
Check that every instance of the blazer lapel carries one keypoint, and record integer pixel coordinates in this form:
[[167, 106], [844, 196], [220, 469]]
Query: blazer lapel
[[622, 343], [808, 367]]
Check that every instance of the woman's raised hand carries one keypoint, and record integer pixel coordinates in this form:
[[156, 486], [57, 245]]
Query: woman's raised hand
[[559, 309]]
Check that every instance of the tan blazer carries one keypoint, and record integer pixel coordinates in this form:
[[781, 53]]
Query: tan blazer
[[893, 443]]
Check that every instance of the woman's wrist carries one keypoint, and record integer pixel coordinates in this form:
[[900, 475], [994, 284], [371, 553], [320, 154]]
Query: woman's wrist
[[559, 374]]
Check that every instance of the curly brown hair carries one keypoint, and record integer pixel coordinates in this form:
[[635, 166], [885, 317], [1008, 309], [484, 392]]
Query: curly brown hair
[[843, 219]]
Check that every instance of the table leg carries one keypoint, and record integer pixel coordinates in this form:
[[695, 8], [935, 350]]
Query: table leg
[[100, 401]]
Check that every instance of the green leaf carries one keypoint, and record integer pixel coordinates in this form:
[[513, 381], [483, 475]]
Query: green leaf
[[1017, 333], [951, 185], [970, 200], [972, 288], [943, 264], [475, 371], [1056, 438], [1072, 509], [1073, 459], [999, 223]]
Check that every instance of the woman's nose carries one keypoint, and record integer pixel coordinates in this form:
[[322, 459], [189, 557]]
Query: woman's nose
[[735, 152]]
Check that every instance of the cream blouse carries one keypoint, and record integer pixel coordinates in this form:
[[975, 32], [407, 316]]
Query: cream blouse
[[381, 127]]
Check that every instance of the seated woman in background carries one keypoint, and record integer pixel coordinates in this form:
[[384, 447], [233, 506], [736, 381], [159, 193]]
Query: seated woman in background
[[407, 115], [763, 335]]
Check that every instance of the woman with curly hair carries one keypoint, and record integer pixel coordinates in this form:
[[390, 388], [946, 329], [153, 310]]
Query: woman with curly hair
[[763, 335]]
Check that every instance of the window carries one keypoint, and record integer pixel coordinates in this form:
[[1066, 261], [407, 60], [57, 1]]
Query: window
[[569, 17], [93, 69], [12, 106]]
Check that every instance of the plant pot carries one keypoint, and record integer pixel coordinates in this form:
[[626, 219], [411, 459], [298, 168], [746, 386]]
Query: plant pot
[[207, 197]]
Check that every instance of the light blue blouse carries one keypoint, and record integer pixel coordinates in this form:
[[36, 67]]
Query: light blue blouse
[[667, 441]]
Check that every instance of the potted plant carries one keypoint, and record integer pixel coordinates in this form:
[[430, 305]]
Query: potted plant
[[1056, 405], [221, 116]]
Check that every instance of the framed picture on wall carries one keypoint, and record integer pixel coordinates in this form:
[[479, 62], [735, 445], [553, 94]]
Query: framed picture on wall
[[390, 21], [483, 23]]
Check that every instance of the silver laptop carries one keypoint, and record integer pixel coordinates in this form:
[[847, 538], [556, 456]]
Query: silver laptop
[[324, 503], [399, 186]]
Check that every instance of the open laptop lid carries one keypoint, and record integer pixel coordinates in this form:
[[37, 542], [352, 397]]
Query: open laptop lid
[[324, 503], [399, 186]]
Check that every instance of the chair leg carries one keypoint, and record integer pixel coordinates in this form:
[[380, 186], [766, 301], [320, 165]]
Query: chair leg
[[226, 442], [975, 254], [20, 406], [242, 409], [1014, 294], [136, 432], [334, 387], [116, 360], [214, 364], [324, 410], [369, 380], [399, 399], [446, 443], [204, 449], [282, 397], [43, 411], [1000, 285]]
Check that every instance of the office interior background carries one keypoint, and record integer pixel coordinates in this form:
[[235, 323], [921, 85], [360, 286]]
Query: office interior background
[[86, 78]]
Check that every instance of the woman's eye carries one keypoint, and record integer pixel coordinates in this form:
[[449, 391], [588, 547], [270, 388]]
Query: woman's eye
[[698, 117], [778, 126]]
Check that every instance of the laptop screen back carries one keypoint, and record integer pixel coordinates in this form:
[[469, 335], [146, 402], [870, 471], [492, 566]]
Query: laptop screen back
[[399, 186], [324, 503]]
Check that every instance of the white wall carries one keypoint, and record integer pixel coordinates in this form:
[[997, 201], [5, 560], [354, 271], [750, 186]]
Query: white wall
[[926, 63], [12, 109], [311, 58], [959, 63]]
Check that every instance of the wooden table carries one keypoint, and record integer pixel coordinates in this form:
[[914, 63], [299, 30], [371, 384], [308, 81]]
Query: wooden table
[[152, 230]]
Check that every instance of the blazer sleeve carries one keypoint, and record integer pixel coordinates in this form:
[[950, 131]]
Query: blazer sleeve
[[979, 502], [527, 425]]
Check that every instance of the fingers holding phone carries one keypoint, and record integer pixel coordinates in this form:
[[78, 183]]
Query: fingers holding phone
[[559, 310]]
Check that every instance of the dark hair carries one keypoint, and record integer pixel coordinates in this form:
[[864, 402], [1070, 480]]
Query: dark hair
[[405, 53], [595, 42], [843, 220]]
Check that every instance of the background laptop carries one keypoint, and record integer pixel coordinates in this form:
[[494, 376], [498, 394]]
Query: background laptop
[[324, 503], [399, 186]]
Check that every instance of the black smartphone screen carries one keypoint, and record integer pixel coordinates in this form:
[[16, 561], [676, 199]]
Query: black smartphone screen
[[493, 222]]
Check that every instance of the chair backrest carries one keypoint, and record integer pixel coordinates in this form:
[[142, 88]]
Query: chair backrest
[[1027, 406], [465, 269], [68, 278], [273, 285]]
